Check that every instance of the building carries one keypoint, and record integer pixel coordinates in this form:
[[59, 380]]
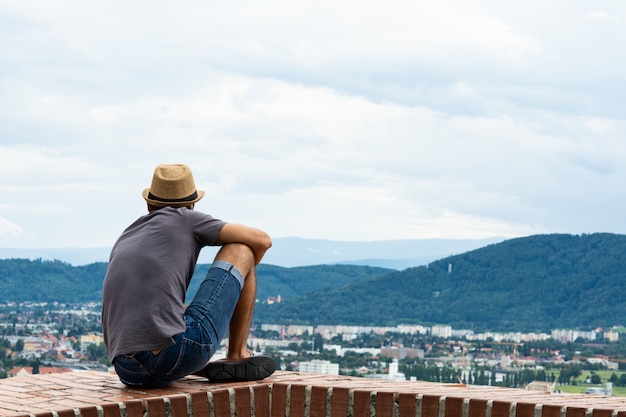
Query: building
[[541, 386], [319, 367], [89, 339], [442, 331], [402, 352], [572, 335], [394, 375]]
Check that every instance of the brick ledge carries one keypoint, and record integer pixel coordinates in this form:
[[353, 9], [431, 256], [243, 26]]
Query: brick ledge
[[292, 394]]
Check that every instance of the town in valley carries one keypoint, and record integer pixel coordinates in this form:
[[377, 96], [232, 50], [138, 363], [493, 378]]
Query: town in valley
[[57, 337]]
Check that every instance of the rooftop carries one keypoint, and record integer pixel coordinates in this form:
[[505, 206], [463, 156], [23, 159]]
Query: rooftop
[[290, 394]]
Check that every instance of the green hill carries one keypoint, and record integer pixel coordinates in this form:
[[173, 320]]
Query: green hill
[[47, 281], [291, 283], [535, 283]]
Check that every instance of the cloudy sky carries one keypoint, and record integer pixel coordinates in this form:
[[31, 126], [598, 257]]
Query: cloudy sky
[[342, 120]]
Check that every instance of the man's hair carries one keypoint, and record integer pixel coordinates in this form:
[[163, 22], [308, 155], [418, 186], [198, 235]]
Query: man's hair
[[152, 208]]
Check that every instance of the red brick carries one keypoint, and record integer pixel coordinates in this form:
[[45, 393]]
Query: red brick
[[406, 404], [261, 400], [155, 407], [243, 402], [361, 404], [575, 412], [221, 401], [279, 400], [525, 410], [110, 410], [598, 412], [68, 413], [200, 403], [454, 407], [477, 408], [88, 411], [297, 401], [384, 404], [551, 410], [430, 405], [33, 410], [318, 401], [178, 405], [339, 402], [134, 408], [500, 409]]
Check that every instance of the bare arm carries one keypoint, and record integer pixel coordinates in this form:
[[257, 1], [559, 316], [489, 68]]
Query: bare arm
[[257, 240]]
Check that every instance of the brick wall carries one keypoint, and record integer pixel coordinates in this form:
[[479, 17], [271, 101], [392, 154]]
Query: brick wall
[[286, 394]]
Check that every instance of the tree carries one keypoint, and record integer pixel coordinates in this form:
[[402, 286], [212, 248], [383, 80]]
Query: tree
[[97, 352], [595, 378], [575, 372], [19, 345], [318, 343]]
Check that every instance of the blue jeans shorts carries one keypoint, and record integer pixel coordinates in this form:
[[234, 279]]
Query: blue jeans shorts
[[206, 321]]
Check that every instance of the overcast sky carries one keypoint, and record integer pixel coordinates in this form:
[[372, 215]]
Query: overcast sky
[[343, 120]]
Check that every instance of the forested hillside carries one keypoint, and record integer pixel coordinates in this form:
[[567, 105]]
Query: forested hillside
[[535, 283], [291, 283], [46, 281]]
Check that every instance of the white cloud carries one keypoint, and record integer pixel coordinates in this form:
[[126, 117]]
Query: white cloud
[[599, 15], [8, 229], [338, 120]]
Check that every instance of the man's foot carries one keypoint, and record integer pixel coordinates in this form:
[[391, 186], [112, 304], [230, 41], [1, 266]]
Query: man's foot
[[246, 369]]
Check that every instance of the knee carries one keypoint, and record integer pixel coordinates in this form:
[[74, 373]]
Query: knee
[[239, 255]]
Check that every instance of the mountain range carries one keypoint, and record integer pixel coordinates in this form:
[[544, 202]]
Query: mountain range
[[295, 251], [534, 283]]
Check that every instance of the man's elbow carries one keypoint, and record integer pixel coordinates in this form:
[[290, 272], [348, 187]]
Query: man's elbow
[[265, 242], [260, 241]]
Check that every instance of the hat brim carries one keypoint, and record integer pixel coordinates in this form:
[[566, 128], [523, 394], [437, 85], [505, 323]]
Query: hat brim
[[159, 203]]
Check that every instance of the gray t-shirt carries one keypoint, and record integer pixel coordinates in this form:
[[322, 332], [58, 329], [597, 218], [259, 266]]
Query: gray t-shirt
[[149, 270]]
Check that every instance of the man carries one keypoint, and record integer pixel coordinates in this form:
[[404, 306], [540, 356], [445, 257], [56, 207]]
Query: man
[[152, 339]]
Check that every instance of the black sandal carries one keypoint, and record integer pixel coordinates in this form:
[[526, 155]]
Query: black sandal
[[253, 368]]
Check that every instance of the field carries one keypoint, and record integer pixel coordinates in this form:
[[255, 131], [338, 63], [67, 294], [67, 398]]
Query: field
[[581, 386]]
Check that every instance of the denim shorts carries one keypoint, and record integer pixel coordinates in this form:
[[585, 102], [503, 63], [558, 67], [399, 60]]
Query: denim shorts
[[206, 321]]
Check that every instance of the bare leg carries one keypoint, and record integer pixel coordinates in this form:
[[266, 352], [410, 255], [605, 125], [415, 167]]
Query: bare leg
[[242, 319], [238, 364], [242, 257]]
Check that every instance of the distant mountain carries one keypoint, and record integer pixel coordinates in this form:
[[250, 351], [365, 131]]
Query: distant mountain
[[293, 251], [535, 283], [73, 256], [395, 254]]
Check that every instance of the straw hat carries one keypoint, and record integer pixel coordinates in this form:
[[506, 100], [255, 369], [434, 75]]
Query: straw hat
[[172, 185]]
